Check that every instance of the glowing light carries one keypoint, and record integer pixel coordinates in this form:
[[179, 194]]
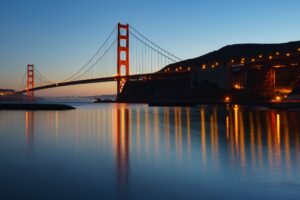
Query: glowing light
[[204, 66], [232, 61], [252, 60], [227, 99], [260, 56], [189, 68], [298, 49], [277, 53], [242, 61], [270, 57], [237, 86], [216, 63], [180, 68], [278, 98], [176, 69], [213, 66], [288, 54], [243, 58]]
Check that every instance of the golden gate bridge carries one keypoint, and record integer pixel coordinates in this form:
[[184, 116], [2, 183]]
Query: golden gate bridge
[[125, 55]]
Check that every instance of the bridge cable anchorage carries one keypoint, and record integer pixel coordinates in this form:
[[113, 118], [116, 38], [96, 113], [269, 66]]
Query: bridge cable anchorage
[[144, 37], [92, 58]]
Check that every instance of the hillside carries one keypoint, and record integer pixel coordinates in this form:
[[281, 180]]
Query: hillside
[[209, 85], [238, 51]]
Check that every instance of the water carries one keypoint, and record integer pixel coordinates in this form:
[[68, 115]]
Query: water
[[119, 151]]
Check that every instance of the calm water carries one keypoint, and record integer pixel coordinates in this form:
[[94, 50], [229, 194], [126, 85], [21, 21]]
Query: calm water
[[119, 151]]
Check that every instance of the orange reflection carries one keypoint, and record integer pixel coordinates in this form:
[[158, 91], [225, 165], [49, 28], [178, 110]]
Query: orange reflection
[[252, 138], [178, 130], [236, 126], [269, 121], [138, 122], [188, 129], [167, 128], [286, 133], [242, 140], [147, 129], [227, 127], [203, 133], [215, 132], [156, 130], [259, 139], [29, 129], [122, 141]]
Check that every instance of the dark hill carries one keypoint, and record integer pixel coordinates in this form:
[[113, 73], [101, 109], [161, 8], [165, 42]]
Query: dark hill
[[212, 84], [238, 51]]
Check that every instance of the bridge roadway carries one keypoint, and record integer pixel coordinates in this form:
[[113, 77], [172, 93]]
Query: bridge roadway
[[136, 77]]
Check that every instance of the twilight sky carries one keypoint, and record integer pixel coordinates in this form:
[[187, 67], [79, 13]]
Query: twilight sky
[[59, 36]]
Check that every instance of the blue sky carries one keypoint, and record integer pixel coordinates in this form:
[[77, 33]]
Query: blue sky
[[59, 36]]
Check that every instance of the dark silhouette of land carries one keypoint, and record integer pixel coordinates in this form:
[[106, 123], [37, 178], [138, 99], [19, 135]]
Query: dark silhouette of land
[[211, 85], [34, 106]]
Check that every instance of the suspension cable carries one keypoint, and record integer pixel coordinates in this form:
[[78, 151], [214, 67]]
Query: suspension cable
[[46, 80], [153, 48], [172, 55], [23, 81], [90, 60], [99, 59]]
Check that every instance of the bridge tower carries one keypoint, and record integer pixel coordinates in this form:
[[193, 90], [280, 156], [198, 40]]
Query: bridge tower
[[123, 55], [30, 80]]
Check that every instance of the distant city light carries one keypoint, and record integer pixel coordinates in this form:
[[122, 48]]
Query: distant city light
[[227, 99], [288, 54], [278, 98], [270, 57], [277, 53], [203, 66], [237, 86]]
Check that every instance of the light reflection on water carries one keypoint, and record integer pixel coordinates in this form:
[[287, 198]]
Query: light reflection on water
[[119, 151]]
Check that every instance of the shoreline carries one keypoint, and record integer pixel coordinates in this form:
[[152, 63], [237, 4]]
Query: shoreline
[[34, 106]]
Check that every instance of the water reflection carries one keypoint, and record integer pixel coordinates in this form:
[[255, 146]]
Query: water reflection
[[144, 143], [122, 140], [252, 137], [29, 129]]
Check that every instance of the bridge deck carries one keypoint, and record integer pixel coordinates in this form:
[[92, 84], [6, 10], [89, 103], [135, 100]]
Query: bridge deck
[[148, 76]]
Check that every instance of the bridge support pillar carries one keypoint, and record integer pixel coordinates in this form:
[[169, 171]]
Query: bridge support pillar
[[123, 56], [30, 80]]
